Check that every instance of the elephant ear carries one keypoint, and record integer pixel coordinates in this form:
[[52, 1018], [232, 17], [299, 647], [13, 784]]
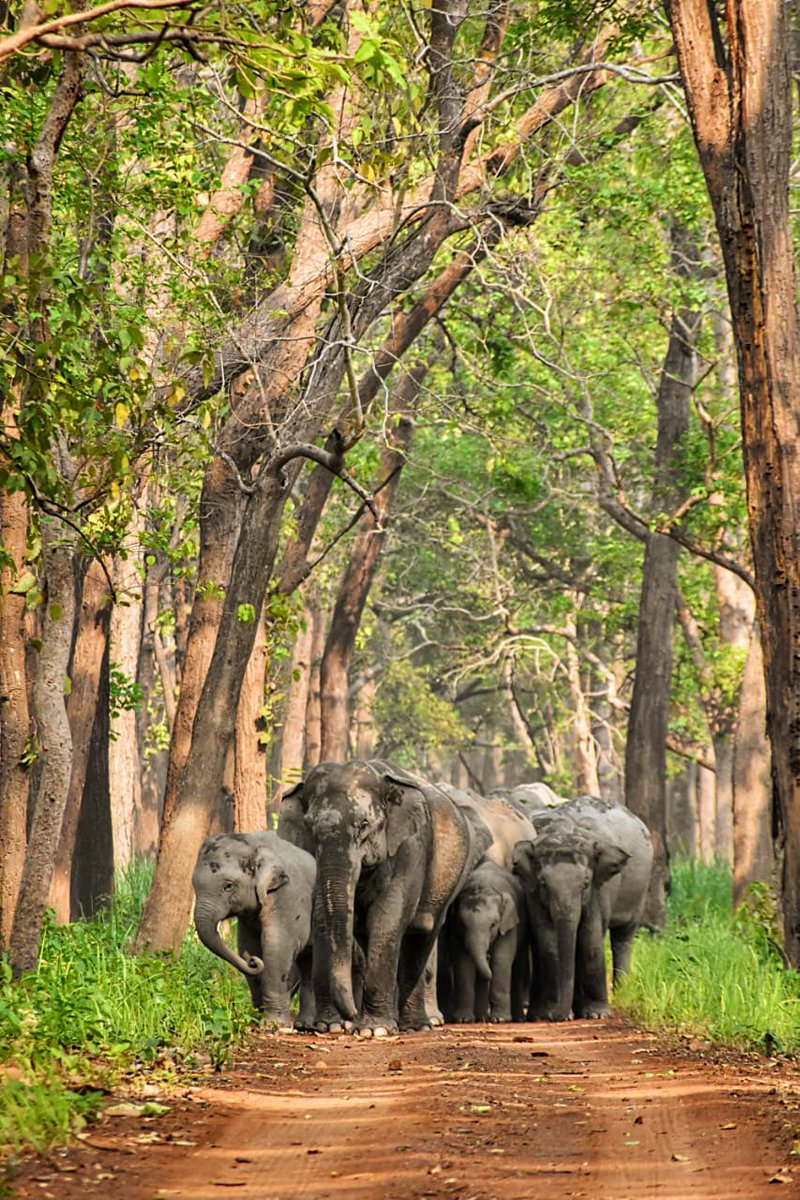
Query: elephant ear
[[609, 859], [270, 876], [291, 825], [523, 859], [404, 813], [509, 917]]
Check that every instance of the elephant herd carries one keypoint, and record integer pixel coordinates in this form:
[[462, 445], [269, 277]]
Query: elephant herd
[[398, 903]]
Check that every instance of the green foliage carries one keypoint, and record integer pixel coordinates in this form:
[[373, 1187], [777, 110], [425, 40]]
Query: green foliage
[[713, 973], [411, 718], [91, 1012]]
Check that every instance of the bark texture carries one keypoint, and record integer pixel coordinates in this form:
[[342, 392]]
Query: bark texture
[[645, 752], [738, 87], [753, 854]]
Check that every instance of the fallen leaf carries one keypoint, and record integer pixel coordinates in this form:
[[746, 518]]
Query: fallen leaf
[[638, 1120], [679, 1158], [730, 1125], [781, 1177], [395, 1065]]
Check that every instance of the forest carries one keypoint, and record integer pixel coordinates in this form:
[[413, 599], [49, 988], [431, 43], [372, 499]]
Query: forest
[[393, 381]]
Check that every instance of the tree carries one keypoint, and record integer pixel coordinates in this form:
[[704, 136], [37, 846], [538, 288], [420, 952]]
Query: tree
[[735, 71]]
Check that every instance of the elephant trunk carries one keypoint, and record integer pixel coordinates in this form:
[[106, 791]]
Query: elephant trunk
[[334, 905], [566, 937], [477, 943], [205, 923]]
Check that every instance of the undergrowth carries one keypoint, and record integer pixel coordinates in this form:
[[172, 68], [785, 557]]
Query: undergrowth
[[714, 973], [92, 1014]]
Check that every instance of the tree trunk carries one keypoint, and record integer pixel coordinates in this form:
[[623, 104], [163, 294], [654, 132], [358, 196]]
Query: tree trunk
[[250, 759], [364, 737], [290, 770], [645, 753], [357, 580], [753, 855], [55, 744], [88, 692], [706, 814], [738, 87], [584, 754], [92, 876], [14, 716], [124, 760], [313, 753]]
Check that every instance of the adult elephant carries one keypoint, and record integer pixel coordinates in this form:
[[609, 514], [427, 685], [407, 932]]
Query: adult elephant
[[392, 850], [268, 885], [507, 822], [484, 948], [586, 872]]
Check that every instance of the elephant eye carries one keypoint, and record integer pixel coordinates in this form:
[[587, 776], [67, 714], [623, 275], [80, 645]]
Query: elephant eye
[[229, 886]]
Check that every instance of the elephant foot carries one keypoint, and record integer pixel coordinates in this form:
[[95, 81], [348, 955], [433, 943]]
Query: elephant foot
[[593, 1012], [498, 1020], [423, 1026], [278, 1022], [463, 1019], [549, 1014], [376, 1027], [335, 1025], [436, 1020]]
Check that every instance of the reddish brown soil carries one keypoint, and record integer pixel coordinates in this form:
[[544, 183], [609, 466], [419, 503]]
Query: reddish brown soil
[[520, 1112]]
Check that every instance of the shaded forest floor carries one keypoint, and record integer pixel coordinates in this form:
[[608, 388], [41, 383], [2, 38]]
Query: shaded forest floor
[[474, 1113]]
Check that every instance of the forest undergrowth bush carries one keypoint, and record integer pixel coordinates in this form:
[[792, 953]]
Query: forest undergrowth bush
[[93, 1015], [715, 973]]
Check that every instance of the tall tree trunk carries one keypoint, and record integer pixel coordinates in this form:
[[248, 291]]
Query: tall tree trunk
[[645, 753], [357, 580], [88, 692], [363, 735], [313, 752], [293, 733], [92, 876], [124, 760], [584, 754], [738, 87], [55, 744], [250, 759], [753, 854], [14, 716]]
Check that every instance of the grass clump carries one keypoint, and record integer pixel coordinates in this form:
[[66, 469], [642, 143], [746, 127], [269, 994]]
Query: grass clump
[[92, 1013], [714, 973]]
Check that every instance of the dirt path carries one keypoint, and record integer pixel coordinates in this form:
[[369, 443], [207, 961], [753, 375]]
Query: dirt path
[[480, 1113]]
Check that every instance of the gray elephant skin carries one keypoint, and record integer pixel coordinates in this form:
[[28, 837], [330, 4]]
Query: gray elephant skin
[[268, 885], [392, 851], [484, 948], [586, 872], [507, 822]]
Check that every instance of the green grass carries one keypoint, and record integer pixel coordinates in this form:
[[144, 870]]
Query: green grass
[[92, 1013], [712, 973]]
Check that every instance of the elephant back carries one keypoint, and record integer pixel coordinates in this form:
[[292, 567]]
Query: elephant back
[[507, 824], [452, 857]]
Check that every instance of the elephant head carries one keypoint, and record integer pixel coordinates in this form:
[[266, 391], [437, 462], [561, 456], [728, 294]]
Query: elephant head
[[562, 870], [358, 815], [233, 877], [484, 913]]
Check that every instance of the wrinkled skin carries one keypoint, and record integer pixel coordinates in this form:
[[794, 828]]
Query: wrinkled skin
[[586, 872], [392, 850], [507, 822], [484, 948], [268, 885]]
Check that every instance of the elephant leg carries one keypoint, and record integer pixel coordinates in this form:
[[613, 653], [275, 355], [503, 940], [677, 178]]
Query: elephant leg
[[248, 943], [503, 954], [379, 1011], [432, 1008], [306, 1016], [520, 982], [621, 944], [464, 976], [591, 986], [414, 960], [545, 1004], [276, 977]]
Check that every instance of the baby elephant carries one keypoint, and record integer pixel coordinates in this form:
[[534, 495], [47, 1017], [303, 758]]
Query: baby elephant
[[268, 885], [486, 948]]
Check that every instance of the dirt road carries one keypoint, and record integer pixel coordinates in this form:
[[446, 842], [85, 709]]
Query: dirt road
[[478, 1113]]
